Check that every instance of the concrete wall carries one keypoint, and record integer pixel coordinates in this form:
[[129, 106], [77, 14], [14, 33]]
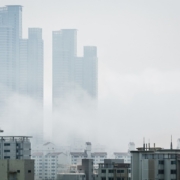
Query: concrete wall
[[19, 169], [87, 166], [135, 170]]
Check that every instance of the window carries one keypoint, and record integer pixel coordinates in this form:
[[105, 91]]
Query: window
[[110, 178], [103, 171], [6, 150], [160, 171], [18, 171], [120, 171], [173, 171], [103, 178], [172, 156], [111, 170], [173, 162], [161, 162], [6, 144], [29, 171], [6, 157]]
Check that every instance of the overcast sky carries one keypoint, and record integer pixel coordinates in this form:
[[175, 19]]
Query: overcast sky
[[139, 62]]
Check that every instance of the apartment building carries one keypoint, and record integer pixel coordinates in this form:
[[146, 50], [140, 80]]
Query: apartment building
[[98, 157], [114, 169], [48, 161], [155, 163], [15, 147]]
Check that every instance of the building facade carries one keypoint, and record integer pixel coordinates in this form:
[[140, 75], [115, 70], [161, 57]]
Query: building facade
[[90, 71], [64, 53], [10, 35], [15, 147], [17, 169], [114, 170], [155, 163], [35, 64]]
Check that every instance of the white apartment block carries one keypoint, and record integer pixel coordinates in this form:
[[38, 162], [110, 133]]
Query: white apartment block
[[15, 147], [45, 165], [48, 162], [98, 157]]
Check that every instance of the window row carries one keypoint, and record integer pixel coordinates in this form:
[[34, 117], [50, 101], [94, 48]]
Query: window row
[[112, 171]]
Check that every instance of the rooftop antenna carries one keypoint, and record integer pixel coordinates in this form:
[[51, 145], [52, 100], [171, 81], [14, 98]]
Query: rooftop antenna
[[143, 143], [171, 143], [149, 145]]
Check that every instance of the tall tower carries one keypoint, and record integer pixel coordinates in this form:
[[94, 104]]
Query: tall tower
[[90, 74], [35, 64], [64, 53], [31, 65], [10, 35], [23, 67], [14, 20], [31, 74]]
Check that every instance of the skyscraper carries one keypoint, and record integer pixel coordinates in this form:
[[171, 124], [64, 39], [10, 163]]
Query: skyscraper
[[90, 74], [23, 67], [21, 60], [35, 64], [31, 65], [64, 53], [71, 74], [10, 35], [31, 73]]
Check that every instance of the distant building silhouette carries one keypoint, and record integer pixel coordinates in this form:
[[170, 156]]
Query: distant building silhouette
[[21, 60], [10, 35], [72, 73], [64, 53]]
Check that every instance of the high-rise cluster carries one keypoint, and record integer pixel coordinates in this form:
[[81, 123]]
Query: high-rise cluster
[[22, 64], [21, 60], [72, 75]]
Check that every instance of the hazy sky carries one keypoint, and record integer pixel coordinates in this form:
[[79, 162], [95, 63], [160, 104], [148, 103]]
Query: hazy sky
[[139, 62]]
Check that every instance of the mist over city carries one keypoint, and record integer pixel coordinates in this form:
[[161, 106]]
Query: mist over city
[[87, 79]]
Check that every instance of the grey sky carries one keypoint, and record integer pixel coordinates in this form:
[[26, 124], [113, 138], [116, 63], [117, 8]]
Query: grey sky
[[139, 51]]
